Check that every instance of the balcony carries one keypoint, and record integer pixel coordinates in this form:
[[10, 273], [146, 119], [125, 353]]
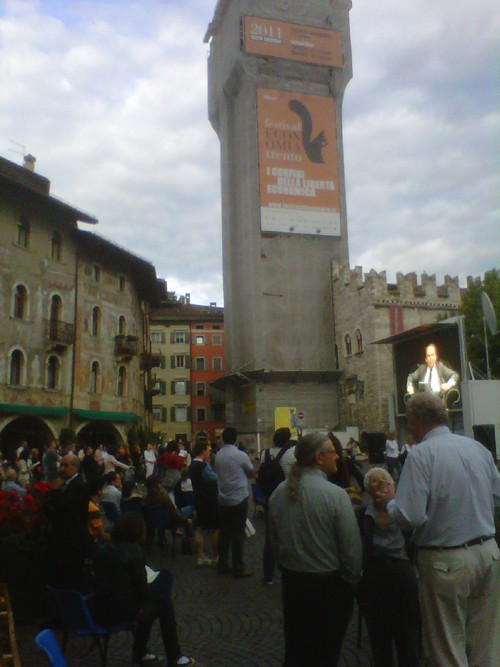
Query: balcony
[[217, 397], [126, 346], [60, 333]]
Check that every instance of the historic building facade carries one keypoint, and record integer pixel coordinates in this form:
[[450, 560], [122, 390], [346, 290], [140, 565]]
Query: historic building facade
[[369, 309], [73, 319], [188, 340]]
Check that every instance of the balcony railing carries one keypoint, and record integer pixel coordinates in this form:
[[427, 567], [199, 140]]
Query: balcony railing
[[217, 397], [126, 346], [60, 333]]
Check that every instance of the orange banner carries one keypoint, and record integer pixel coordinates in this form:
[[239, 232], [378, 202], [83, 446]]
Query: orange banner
[[298, 164], [295, 42]]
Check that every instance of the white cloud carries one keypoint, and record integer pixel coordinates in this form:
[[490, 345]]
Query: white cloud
[[111, 98]]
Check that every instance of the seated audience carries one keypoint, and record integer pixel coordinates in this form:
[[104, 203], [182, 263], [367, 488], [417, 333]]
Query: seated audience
[[112, 492], [11, 485], [96, 528], [122, 593]]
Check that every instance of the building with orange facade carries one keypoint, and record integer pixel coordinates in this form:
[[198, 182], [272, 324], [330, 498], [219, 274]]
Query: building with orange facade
[[189, 341]]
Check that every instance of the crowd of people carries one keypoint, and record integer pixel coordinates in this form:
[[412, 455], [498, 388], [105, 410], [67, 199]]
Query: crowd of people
[[420, 557]]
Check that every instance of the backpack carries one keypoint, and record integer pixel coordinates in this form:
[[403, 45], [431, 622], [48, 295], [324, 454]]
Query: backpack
[[270, 473]]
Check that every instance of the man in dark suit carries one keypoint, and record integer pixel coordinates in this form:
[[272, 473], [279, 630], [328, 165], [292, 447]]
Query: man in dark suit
[[68, 539], [433, 376]]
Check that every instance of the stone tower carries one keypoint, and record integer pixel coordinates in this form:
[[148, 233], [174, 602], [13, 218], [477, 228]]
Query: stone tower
[[277, 74]]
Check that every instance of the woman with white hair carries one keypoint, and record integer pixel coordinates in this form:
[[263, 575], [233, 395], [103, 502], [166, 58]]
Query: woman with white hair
[[388, 594]]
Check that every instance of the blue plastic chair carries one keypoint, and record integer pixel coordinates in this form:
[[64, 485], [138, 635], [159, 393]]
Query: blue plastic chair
[[111, 512], [259, 499], [70, 608], [48, 642], [157, 518]]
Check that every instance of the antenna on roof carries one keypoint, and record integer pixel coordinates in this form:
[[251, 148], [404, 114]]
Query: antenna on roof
[[13, 150]]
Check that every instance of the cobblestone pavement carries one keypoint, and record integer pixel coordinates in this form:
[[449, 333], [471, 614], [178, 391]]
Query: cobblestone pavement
[[222, 622]]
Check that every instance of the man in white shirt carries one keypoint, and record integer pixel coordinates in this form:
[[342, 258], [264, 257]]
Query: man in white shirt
[[433, 376], [447, 493], [112, 491], [233, 468]]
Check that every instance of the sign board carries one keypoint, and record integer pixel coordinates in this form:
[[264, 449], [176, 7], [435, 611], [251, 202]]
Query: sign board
[[298, 164], [299, 419], [304, 43], [285, 418]]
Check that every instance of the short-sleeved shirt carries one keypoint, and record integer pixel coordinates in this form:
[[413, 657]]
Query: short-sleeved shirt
[[231, 466]]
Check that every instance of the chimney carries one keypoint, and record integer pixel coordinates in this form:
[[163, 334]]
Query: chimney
[[29, 162]]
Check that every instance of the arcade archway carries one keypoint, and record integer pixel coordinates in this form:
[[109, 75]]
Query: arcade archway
[[32, 429], [99, 432]]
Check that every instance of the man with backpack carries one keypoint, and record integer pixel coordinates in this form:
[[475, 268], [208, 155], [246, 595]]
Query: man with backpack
[[271, 473]]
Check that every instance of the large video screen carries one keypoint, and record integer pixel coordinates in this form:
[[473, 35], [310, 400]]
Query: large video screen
[[429, 361]]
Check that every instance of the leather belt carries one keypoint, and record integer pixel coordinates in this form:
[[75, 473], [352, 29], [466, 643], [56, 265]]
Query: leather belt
[[466, 545]]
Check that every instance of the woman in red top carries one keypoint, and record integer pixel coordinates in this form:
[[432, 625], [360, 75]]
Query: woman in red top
[[172, 463]]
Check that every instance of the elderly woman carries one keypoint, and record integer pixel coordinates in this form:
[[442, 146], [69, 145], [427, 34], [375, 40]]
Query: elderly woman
[[388, 594]]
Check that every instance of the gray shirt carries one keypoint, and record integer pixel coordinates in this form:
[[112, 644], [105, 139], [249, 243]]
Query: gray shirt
[[386, 541], [318, 532], [232, 466], [448, 490]]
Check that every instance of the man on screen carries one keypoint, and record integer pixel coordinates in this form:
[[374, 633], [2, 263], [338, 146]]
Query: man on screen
[[433, 376]]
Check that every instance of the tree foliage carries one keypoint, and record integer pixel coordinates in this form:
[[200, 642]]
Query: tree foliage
[[474, 332]]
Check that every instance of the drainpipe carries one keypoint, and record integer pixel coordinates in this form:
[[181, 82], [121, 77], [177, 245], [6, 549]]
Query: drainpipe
[[73, 367]]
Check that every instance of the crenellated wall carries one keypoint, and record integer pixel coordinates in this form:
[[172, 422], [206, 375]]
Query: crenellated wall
[[367, 308]]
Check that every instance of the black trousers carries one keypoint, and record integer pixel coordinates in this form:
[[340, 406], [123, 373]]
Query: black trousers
[[316, 610], [388, 598], [158, 605], [232, 535]]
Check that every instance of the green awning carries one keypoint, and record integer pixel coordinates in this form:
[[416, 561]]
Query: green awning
[[33, 410], [107, 416]]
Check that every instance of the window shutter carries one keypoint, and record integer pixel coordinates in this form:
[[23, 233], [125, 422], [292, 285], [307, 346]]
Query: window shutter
[[187, 338], [164, 414], [172, 414], [163, 387], [172, 361], [172, 387], [189, 413], [162, 361], [188, 387], [163, 337], [206, 365], [186, 361]]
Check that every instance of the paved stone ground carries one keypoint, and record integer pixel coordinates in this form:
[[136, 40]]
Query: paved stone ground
[[222, 622]]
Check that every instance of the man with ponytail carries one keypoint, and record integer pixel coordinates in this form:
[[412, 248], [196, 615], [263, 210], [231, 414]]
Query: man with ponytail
[[317, 545]]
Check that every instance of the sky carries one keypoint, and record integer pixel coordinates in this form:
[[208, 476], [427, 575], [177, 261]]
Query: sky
[[111, 98]]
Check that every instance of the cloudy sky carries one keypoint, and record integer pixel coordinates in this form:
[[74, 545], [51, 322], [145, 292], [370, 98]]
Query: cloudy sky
[[110, 97]]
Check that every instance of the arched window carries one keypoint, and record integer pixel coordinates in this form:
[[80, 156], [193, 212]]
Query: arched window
[[96, 321], [122, 326], [359, 340], [348, 346], [23, 233], [95, 378], [122, 381], [55, 315], [16, 367], [53, 370], [20, 302], [56, 247]]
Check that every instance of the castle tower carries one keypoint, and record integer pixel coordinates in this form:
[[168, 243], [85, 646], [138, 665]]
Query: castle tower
[[277, 74]]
